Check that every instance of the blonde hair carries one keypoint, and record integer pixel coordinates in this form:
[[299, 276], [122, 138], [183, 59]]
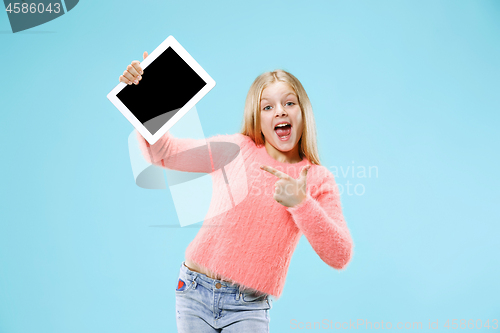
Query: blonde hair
[[251, 117]]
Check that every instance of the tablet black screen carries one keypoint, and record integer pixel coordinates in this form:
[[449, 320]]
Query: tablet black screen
[[167, 84]]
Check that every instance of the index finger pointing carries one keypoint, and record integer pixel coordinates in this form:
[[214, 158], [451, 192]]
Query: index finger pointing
[[275, 172]]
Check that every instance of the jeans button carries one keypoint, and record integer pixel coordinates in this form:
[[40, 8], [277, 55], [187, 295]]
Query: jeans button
[[218, 285]]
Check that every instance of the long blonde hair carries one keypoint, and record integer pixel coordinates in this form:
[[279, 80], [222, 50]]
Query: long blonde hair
[[251, 117]]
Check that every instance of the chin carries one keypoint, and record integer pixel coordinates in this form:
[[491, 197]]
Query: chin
[[284, 147]]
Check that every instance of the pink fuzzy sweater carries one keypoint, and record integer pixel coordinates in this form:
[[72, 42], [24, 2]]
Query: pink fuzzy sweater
[[254, 241]]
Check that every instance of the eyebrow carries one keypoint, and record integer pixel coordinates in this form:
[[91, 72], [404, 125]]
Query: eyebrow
[[290, 93]]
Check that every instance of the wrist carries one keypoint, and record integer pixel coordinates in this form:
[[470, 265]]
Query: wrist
[[301, 203]]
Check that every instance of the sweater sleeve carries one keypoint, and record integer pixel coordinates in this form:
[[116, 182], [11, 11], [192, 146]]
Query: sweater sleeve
[[191, 155], [320, 219]]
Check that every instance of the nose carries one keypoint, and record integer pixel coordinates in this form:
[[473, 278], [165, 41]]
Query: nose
[[280, 111]]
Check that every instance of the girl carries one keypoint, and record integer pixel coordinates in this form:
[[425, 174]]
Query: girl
[[232, 271]]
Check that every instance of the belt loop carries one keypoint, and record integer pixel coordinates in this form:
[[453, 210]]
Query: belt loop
[[238, 293], [194, 281]]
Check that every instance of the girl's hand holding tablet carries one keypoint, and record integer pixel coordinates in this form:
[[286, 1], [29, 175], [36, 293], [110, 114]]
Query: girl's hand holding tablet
[[133, 73], [174, 74]]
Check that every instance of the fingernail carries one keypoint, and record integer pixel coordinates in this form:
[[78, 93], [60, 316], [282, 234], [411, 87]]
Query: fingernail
[[139, 78], [142, 72], [136, 81]]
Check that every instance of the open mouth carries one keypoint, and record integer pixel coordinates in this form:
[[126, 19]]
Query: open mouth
[[283, 130]]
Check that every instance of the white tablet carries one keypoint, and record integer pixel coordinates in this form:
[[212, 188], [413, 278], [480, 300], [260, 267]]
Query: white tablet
[[172, 83]]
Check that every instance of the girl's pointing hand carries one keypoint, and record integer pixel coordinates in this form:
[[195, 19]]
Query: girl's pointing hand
[[289, 191]]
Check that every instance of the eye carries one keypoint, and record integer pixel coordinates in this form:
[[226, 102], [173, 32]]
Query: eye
[[266, 108], [291, 103]]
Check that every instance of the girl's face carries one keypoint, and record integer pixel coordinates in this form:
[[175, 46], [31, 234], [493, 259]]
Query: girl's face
[[281, 121]]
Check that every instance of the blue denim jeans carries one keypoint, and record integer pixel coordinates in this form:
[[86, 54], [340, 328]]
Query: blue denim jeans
[[206, 305]]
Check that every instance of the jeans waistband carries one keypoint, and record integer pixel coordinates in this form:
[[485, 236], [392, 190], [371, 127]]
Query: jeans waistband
[[209, 282]]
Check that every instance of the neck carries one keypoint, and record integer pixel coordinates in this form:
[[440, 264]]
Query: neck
[[291, 156]]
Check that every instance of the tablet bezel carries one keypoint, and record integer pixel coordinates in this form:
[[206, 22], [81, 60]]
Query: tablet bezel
[[170, 41]]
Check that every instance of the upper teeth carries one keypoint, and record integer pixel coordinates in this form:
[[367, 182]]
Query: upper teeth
[[281, 125]]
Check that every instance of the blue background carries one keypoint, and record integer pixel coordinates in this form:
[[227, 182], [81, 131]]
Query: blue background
[[410, 87]]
